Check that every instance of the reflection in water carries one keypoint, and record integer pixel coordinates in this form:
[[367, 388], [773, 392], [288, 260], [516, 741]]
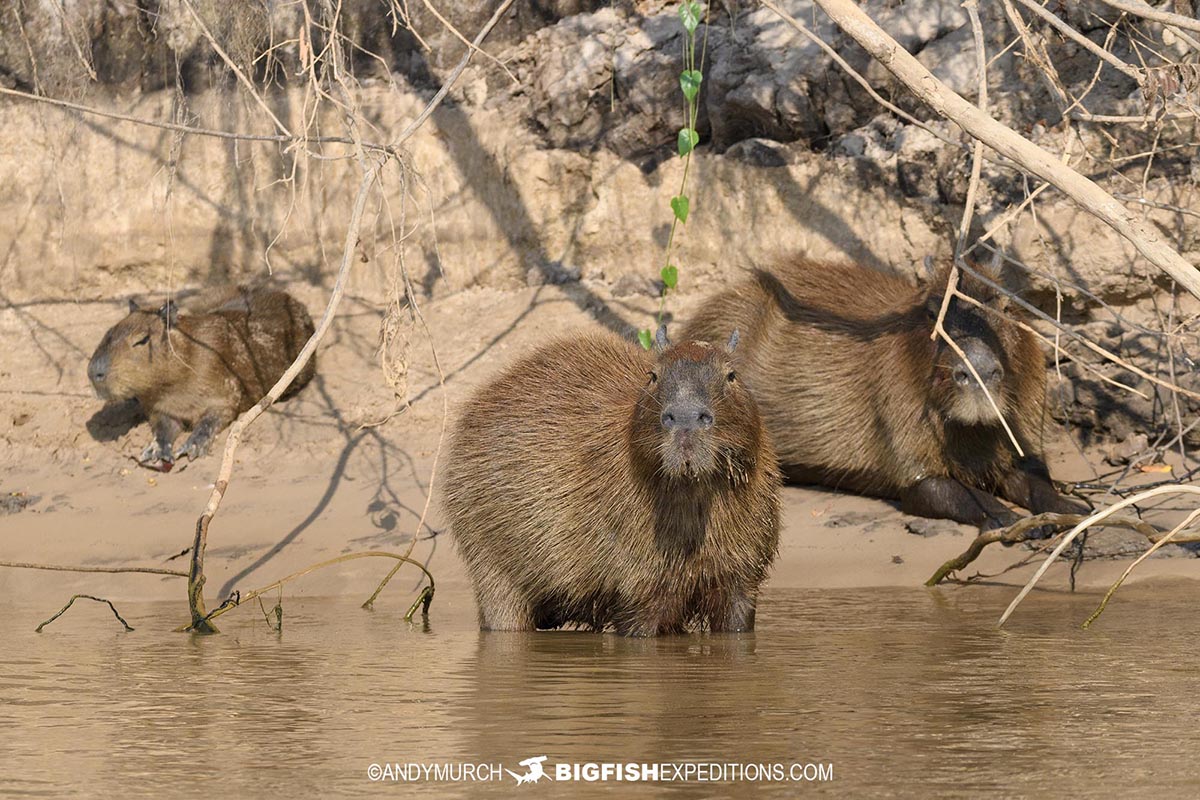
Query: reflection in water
[[904, 692]]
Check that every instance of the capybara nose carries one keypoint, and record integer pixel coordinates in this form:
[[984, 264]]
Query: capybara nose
[[687, 418], [98, 369], [983, 360]]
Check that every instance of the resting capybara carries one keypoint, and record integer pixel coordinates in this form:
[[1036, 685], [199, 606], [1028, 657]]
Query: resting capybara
[[197, 370], [857, 396], [595, 484]]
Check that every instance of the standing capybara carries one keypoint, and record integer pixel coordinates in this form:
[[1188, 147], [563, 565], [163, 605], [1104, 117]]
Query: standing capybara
[[596, 484], [198, 370], [857, 396]]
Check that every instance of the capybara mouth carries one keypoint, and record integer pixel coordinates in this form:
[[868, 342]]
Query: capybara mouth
[[971, 406], [687, 454]]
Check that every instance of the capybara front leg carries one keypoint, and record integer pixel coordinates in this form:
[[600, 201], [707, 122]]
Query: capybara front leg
[[165, 429], [199, 443], [947, 498], [736, 617], [1029, 486]]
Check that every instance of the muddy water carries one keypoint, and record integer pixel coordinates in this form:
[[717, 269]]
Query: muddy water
[[902, 692]]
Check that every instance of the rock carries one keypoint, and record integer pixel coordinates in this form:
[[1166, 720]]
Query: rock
[[1122, 453]]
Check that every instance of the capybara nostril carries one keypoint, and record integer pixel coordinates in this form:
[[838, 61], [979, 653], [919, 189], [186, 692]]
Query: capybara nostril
[[668, 420], [705, 418], [984, 360]]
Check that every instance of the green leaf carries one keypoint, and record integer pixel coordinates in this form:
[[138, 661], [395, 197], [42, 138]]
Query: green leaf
[[689, 15], [688, 139], [689, 82], [680, 206], [646, 338], [670, 276]]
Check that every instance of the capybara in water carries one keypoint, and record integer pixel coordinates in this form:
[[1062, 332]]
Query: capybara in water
[[198, 370], [857, 396], [595, 484]]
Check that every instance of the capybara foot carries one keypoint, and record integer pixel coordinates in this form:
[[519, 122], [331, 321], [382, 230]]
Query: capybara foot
[[157, 451], [196, 446]]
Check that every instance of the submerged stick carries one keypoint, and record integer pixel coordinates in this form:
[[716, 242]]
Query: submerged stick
[[1113, 589], [237, 599], [71, 602]]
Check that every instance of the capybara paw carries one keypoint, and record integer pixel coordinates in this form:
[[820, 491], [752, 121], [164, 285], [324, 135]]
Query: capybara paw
[[155, 451], [194, 448]]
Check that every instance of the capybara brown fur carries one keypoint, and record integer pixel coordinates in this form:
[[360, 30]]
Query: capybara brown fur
[[857, 396], [198, 368], [598, 485]]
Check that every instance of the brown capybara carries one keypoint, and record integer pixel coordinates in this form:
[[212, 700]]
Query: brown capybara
[[197, 370], [595, 484], [857, 396]]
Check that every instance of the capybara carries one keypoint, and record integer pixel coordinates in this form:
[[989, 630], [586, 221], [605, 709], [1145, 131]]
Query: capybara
[[594, 484], [857, 396], [198, 369]]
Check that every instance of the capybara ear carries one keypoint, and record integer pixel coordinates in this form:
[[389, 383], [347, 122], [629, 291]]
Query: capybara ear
[[169, 313], [734, 338], [661, 342], [133, 306]]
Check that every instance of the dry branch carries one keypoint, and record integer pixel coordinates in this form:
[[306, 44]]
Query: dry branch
[[188, 129], [110, 570], [851, 19], [1024, 530], [196, 575]]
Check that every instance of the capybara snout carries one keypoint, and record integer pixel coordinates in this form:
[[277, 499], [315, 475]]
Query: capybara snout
[[695, 385]]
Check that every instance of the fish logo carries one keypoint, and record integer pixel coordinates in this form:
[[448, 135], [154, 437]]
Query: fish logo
[[534, 773]]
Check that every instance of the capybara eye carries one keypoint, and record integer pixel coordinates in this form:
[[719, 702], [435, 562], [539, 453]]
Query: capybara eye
[[144, 340], [731, 377], [653, 376]]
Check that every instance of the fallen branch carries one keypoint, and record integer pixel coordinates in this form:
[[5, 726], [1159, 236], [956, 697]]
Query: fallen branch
[[71, 602], [1023, 530], [946, 103]]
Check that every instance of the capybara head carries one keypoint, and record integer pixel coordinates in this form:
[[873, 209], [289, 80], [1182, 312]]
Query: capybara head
[[987, 340], [695, 414], [121, 366]]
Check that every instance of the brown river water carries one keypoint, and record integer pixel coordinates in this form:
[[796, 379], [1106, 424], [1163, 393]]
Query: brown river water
[[902, 692]]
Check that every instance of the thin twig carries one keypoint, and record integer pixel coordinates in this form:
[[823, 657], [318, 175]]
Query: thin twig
[[1112, 590], [188, 129], [175, 573]]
